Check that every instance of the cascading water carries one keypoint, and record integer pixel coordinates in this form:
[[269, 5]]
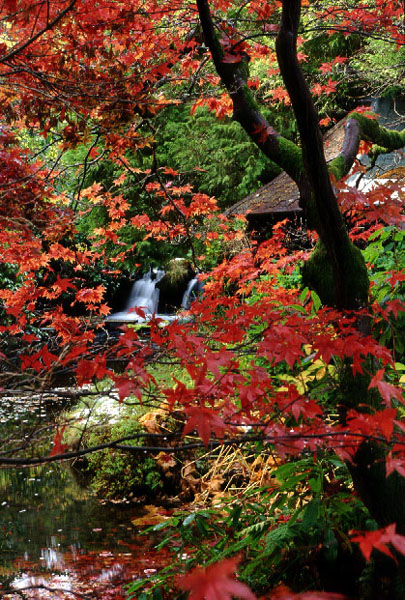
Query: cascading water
[[144, 295], [190, 293]]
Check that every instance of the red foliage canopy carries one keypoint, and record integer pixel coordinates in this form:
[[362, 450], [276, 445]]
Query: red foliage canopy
[[77, 72]]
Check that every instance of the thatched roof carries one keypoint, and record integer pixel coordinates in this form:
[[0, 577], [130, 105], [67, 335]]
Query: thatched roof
[[281, 194]]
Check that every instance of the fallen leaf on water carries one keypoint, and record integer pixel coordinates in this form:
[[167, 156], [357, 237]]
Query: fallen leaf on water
[[153, 515]]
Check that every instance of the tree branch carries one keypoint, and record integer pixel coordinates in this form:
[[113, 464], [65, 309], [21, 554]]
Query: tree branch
[[234, 76], [32, 39], [344, 439], [321, 205], [360, 127]]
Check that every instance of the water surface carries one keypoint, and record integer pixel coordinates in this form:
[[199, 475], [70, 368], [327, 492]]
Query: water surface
[[54, 533]]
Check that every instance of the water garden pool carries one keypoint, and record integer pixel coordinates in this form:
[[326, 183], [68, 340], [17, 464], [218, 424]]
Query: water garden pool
[[58, 542]]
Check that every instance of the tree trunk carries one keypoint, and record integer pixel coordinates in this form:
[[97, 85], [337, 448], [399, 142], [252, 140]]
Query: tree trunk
[[384, 497], [336, 269]]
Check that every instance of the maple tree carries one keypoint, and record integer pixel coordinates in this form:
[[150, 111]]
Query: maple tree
[[94, 77]]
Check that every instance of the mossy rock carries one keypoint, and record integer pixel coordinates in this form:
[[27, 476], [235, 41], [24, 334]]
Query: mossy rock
[[172, 286], [113, 473]]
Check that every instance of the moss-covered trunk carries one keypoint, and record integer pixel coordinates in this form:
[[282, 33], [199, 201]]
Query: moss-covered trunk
[[336, 269]]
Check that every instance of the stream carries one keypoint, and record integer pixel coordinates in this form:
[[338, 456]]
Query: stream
[[57, 540], [56, 535]]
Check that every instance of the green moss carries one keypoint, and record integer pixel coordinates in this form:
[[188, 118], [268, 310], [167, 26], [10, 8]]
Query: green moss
[[115, 474], [244, 69], [337, 166], [317, 274], [372, 131], [290, 157], [250, 99], [375, 152]]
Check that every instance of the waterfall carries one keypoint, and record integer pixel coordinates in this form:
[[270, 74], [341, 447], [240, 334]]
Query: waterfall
[[144, 294], [190, 293]]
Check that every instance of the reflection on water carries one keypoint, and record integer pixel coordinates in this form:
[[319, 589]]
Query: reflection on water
[[50, 525]]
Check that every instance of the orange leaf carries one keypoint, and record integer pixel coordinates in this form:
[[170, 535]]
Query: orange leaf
[[58, 447]]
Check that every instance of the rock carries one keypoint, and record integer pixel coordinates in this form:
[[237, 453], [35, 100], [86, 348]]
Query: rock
[[173, 285]]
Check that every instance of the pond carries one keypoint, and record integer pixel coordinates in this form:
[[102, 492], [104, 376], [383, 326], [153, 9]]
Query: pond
[[61, 543]]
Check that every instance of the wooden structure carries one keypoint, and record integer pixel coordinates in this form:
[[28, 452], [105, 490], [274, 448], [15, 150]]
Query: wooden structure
[[279, 199]]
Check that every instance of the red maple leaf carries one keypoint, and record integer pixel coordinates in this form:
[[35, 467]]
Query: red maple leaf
[[387, 390], [58, 447], [128, 387], [63, 284], [232, 58], [216, 582], [378, 540], [90, 295], [204, 420], [394, 464], [282, 592], [262, 132]]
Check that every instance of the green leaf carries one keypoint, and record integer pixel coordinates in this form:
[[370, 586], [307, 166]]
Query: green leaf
[[256, 529], [283, 472], [299, 308], [189, 519], [279, 536], [202, 524], [160, 526], [311, 514], [316, 301], [235, 515], [232, 549], [316, 484], [304, 294], [292, 481]]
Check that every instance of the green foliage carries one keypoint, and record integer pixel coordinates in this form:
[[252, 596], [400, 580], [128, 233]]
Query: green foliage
[[217, 157], [310, 505], [381, 66], [9, 278], [385, 255], [117, 474]]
